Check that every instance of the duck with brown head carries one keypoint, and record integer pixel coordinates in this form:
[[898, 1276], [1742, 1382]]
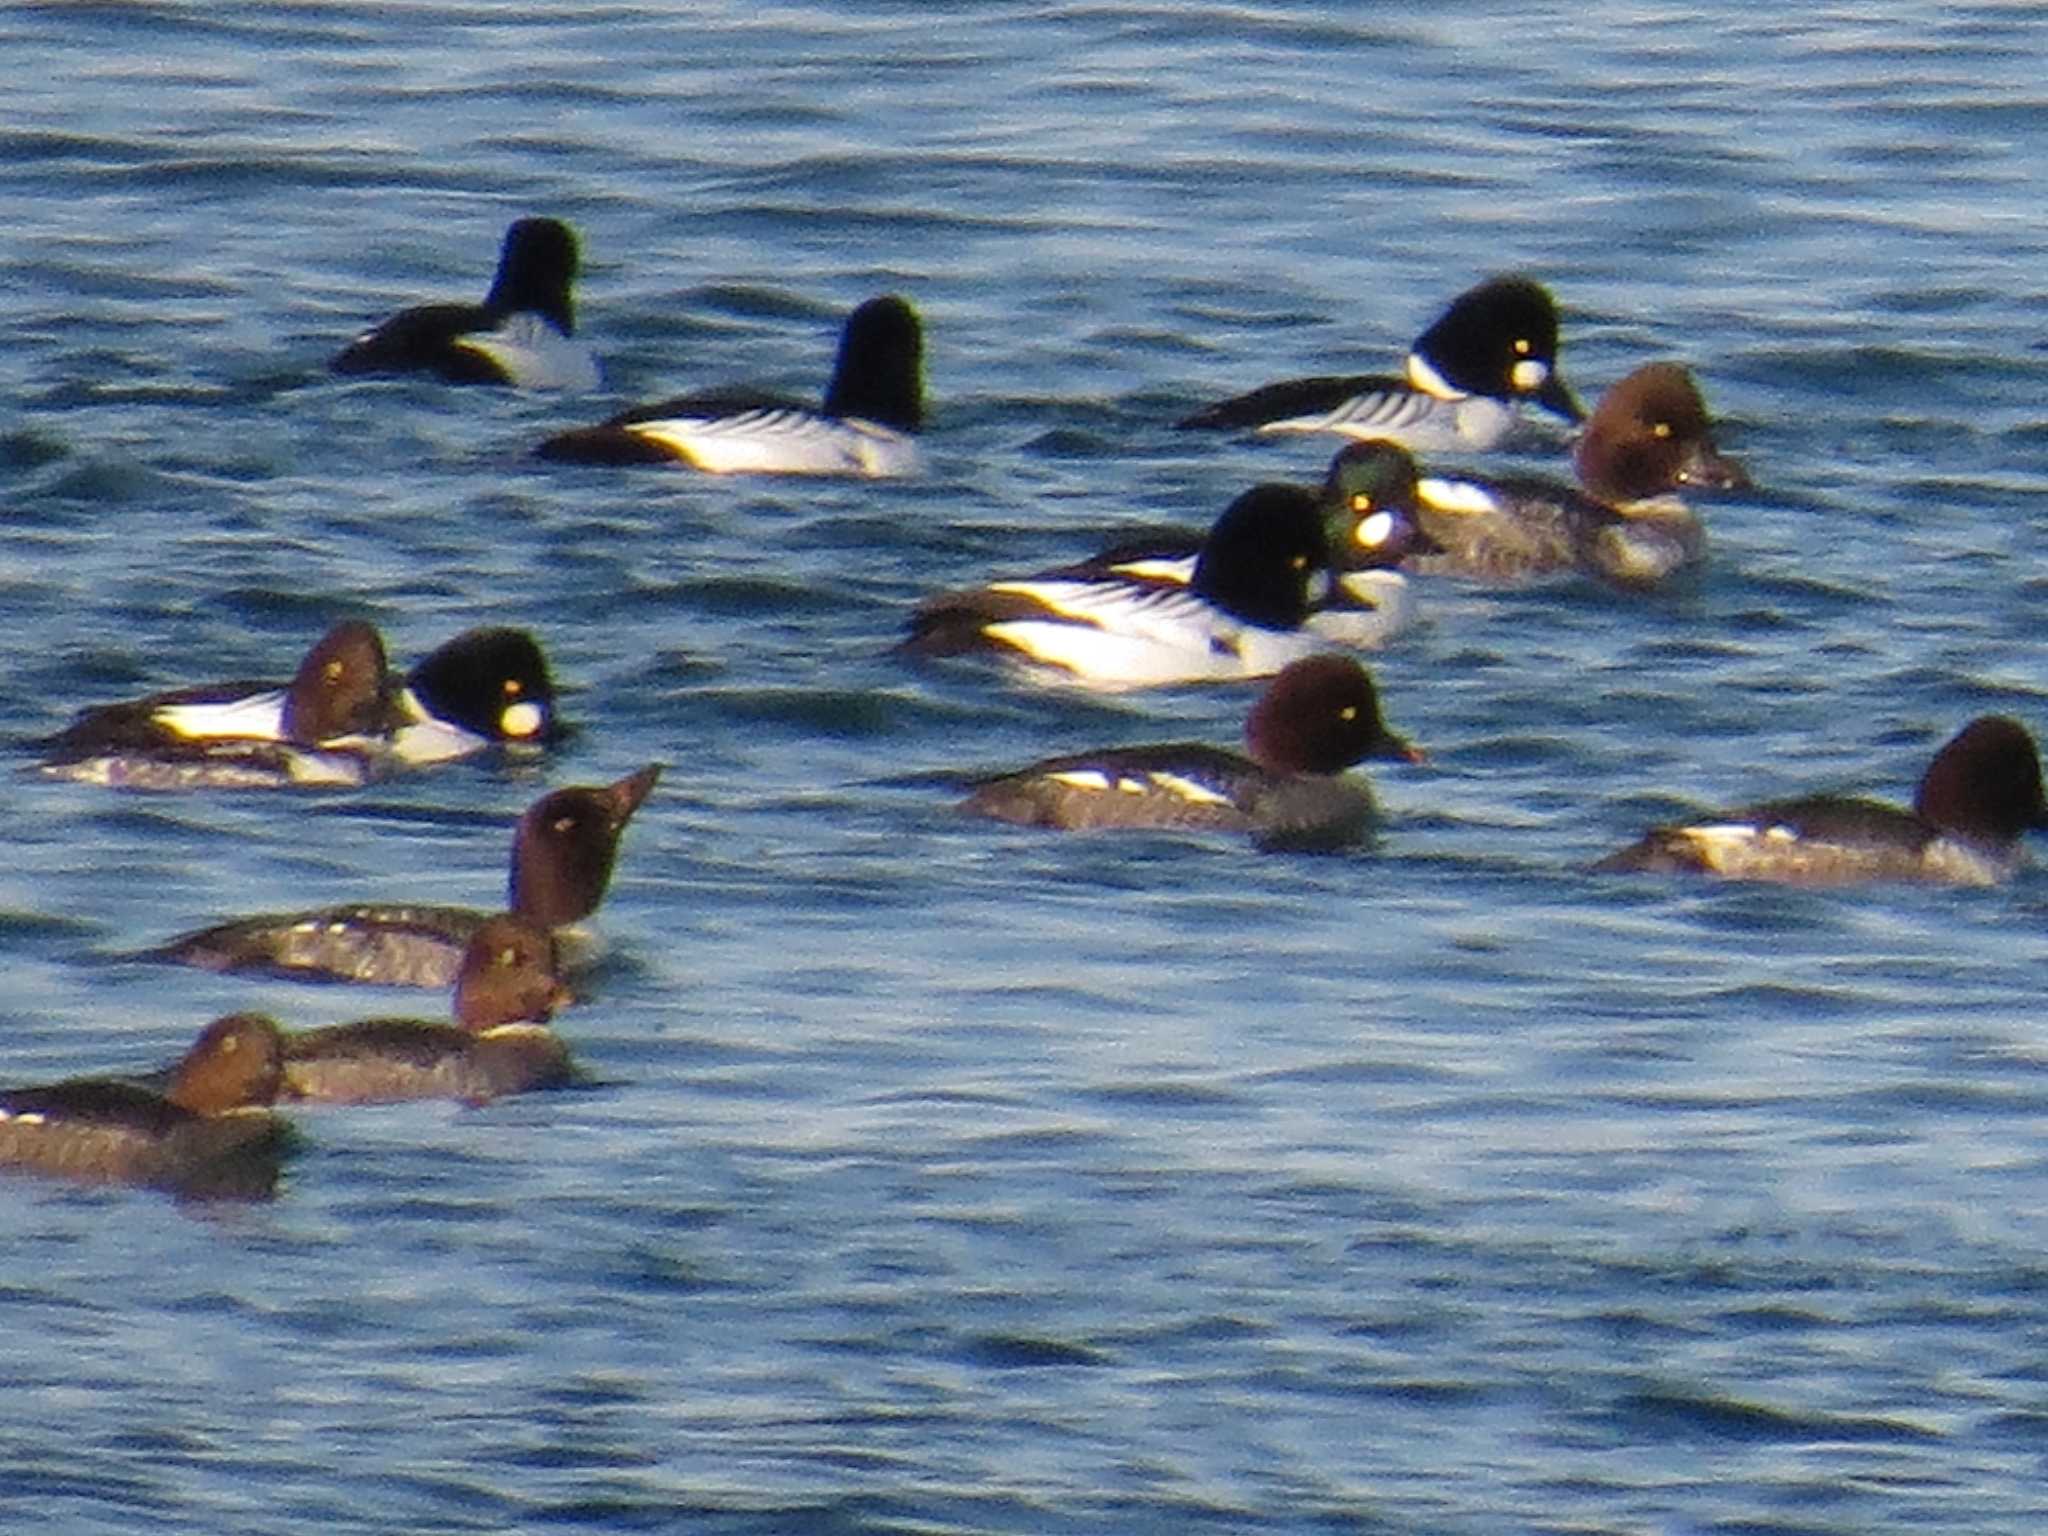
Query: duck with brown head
[[1317, 718], [203, 1129], [1978, 797], [499, 1044], [563, 850]]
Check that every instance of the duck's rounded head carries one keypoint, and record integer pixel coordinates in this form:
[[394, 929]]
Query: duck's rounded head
[[492, 681], [564, 847], [237, 1061], [509, 974], [1500, 338], [1985, 784], [1267, 559], [1649, 436], [1368, 500], [341, 688], [879, 373], [1320, 715], [536, 266]]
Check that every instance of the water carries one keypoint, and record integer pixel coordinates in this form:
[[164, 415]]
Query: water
[[944, 1177]]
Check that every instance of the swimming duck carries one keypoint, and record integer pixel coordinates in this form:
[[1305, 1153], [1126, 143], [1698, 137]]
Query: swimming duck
[[523, 334], [1649, 438], [1317, 718], [206, 1131], [1978, 796], [1263, 569], [1494, 346], [1368, 503], [326, 727], [562, 855], [873, 409], [505, 993]]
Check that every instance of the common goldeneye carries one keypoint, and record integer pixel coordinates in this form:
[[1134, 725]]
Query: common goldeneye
[[1261, 572], [1981, 792], [327, 726], [1369, 517], [1649, 438], [1494, 346], [873, 409], [505, 993], [206, 1132], [341, 720], [523, 334], [488, 686], [1317, 718], [562, 855]]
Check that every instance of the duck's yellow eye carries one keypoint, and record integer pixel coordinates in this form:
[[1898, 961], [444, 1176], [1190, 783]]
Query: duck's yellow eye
[[1361, 503], [508, 957], [1348, 712], [332, 671], [1661, 429], [1522, 347], [513, 688]]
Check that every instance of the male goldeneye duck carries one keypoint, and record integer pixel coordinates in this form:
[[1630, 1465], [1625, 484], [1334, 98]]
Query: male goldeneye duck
[[505, 993], [1494, 346], [523, 334], [325, 727], [486, 687], [1369, 517], [1649, 438], [1317, 718], [873, 409], [562, 855], [1981, 792], [1262, 570], [197, 1134]]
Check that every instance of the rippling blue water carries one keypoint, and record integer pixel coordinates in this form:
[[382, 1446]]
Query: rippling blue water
[[950, 1178]]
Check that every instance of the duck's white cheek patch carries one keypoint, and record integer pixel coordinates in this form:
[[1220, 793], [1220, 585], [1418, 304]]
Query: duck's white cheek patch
[[1186, 789], [523, 719], [1529, 374], [1455, 495], [1373, 531]]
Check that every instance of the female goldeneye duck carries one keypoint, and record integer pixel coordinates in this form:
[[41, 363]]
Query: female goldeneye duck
[[1263, 569], [1649, 438], [1494, 346], [1317, 718], [192, 1135], [1369, 517], [562, 855], [325, 727], [523, 334], [487, 686], [1981, 792], [505, 993], [873, 409]]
